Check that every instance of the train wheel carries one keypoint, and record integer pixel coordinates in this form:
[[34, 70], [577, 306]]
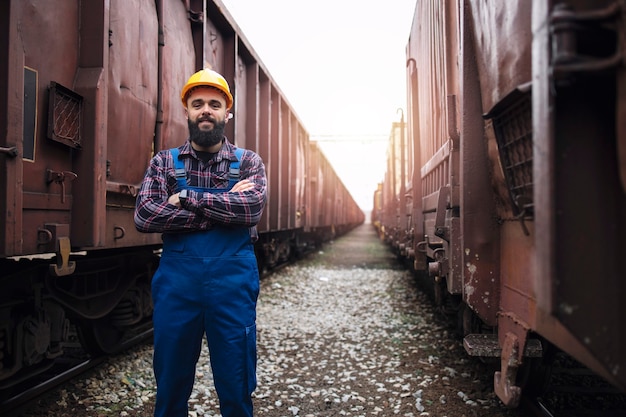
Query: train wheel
[[469, 323], [100, 337], [535, 374]]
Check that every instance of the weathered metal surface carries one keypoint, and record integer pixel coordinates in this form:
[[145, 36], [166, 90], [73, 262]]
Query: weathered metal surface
[[90, 92], [105, 97], [581, 239], [518, 198], [331, 205], [487, 345]]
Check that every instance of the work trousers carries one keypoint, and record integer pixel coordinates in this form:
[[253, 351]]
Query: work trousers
[[207, 283]]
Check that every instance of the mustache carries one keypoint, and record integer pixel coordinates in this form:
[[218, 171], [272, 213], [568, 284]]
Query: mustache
[[206, 119]]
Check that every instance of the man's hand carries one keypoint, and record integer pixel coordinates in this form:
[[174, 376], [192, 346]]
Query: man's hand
[[243, 185], [174, 200]]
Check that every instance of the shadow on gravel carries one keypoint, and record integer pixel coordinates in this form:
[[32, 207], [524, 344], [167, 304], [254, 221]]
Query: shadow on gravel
[[359, 248]]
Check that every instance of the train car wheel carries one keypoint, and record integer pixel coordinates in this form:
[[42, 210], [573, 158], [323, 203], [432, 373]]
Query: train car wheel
[[100, 336], [535, 374]]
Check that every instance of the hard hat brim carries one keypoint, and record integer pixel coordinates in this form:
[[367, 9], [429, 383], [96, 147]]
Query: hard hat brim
[[188, 87]]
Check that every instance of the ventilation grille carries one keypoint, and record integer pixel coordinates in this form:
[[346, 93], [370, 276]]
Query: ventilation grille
[[64, 116], [513, 128]]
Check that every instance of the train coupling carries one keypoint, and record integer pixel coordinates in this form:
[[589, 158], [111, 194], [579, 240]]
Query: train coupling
[[487, 345]]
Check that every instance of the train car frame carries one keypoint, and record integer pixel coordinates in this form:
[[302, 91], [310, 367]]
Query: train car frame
[[510, 195], [89, 92]]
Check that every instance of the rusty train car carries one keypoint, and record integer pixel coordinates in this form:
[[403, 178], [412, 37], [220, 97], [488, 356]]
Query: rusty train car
[[506, 184], [89, 92]]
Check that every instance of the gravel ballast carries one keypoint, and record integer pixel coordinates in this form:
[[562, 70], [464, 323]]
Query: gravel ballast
[[345, 332]]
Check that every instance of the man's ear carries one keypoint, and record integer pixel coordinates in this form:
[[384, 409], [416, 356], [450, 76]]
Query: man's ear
[[186, 113], [228, 116]]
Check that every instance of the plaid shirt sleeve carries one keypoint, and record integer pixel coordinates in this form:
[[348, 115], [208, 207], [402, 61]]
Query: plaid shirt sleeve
[[202, 210], [234, 208]]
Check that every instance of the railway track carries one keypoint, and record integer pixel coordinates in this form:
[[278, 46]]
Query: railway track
[[540, 408], [572, 390], [568, 389], [77, 361], [74, 363]]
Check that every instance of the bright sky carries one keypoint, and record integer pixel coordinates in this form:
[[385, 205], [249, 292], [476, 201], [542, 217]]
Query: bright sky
[[341, 66]]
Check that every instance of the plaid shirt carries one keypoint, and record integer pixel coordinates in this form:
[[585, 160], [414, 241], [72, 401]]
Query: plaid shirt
[[201, 210]]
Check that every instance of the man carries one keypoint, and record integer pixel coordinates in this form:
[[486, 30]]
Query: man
[[206, 197]]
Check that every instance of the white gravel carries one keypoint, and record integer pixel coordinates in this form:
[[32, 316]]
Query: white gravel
[[332, 342]]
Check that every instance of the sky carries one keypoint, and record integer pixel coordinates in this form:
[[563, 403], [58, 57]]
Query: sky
[[341, 66]]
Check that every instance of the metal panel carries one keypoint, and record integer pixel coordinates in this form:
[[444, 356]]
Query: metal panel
[[582, 221], [177, 63], [11, 113], [265, 145], [298, 170], [30, 113], [274, 178], [132, 88], [285, 145], [47, 169], [88, 216], [314, 185]]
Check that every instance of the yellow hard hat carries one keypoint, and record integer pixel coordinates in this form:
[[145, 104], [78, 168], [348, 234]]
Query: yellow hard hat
[[207, 77]]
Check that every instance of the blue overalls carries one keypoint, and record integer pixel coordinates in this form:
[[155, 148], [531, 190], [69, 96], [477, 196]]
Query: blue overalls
[[207, 283]]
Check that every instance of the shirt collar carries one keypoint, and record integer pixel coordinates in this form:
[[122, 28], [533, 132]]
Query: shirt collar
[[227, 151]]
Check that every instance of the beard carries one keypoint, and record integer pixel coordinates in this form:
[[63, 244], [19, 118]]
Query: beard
[[206, 138]]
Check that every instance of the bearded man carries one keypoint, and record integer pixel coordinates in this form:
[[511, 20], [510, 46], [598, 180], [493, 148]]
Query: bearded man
[[206, 197]]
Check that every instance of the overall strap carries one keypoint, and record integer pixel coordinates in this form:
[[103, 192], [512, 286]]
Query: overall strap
[[179, 169], [181, 175], [233, 172]]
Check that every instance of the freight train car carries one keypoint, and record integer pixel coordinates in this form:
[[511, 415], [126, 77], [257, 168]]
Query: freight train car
[[509, 193], [89, 92]]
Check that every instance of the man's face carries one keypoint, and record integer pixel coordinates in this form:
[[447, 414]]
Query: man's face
[[206, 116]]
